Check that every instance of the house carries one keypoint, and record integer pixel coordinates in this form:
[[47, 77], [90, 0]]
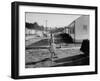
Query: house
[[79, 28]]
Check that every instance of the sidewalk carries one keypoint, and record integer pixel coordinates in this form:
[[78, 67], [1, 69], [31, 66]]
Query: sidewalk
[[67, 52]]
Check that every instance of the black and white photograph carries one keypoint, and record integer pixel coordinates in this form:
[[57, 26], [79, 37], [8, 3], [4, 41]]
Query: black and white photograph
[[56, 40], [50, 40]]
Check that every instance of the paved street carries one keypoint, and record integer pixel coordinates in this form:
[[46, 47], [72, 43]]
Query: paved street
[[41, 57]]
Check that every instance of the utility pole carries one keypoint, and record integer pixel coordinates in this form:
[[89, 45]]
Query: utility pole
[[74, 32], [46, 26]]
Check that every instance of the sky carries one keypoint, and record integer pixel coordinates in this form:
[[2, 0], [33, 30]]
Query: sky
[[53, 20]]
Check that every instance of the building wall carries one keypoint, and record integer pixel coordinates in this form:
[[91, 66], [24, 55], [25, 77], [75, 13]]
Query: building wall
[[82, 27]]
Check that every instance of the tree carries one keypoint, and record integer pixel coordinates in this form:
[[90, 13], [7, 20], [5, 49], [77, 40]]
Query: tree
[[64, 37]]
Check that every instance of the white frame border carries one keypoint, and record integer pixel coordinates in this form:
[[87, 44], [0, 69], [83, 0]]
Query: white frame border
[[69, 69]]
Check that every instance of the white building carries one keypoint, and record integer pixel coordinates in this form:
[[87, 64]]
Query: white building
[[33, 32]]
